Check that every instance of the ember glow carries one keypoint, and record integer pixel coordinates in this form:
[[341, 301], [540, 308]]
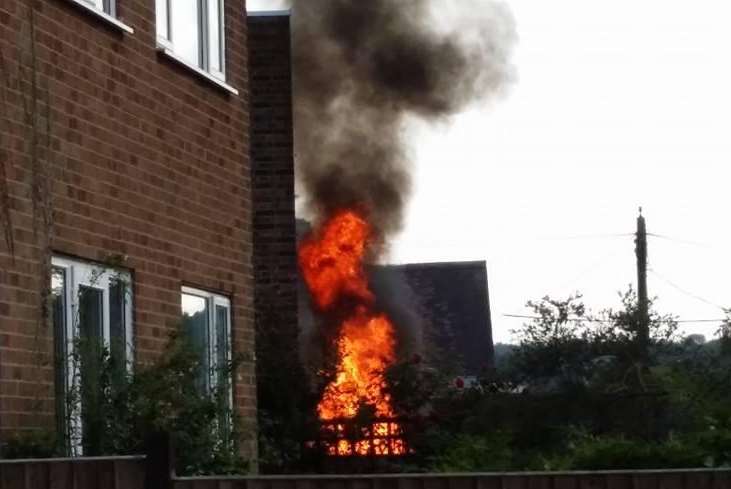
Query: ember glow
[[331, 261]]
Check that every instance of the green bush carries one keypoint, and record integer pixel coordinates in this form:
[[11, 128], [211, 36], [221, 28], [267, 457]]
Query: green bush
[[31, 444], [473, 453], [620, 453], [119, 409]]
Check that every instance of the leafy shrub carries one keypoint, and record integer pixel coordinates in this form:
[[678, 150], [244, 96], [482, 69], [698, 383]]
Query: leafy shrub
[[620, 453], [119, 409], [473, 453], [31, 444]]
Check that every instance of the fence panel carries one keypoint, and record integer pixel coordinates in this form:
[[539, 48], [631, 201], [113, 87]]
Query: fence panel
[[74, 473], [134, 473]]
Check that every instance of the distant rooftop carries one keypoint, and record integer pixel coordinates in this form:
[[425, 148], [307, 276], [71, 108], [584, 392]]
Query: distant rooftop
[[454, 298]]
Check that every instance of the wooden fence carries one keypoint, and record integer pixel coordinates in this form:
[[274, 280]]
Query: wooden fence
[[74, 473], [154, 471], [675, 479]]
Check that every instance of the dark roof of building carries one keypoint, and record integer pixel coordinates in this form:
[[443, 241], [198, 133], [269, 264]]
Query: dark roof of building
[[454, 298]]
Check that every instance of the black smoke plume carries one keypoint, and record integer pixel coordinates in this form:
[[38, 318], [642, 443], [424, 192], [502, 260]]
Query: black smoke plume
[[362, 68]]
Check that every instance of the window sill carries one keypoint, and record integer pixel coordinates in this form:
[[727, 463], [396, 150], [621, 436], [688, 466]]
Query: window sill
[[103, 16], [221, 84]]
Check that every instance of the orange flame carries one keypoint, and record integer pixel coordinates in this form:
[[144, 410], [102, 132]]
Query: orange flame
[[332, 265], [365, 349]]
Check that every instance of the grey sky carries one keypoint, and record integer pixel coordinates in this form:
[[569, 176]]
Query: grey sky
[[618, 104]]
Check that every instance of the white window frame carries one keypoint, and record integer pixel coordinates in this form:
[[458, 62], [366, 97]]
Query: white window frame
[[106, 10], [213, 300], [166, 35], [81, 273], [109, 7]]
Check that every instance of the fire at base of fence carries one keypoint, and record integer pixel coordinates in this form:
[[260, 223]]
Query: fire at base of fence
[[381, 438]]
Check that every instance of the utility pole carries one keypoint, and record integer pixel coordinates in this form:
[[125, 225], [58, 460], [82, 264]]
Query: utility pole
[[643, 314]]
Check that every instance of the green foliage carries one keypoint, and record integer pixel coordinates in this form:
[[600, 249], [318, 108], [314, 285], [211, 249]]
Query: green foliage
[[474, 453], [588, 452], [31, 444], [576, 394], [119, 409]]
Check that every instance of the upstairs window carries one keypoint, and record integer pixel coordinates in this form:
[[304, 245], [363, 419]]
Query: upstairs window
[[193, 30], [91, 309], [106, 6]]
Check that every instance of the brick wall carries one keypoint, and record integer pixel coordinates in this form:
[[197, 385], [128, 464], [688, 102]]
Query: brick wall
[[272, 160], [275, 260], [148, 160]]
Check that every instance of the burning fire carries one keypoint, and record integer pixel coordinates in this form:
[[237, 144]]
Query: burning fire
[[332, 265]]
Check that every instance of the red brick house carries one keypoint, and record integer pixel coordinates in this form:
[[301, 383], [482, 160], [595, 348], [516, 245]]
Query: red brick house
[[125, 189]]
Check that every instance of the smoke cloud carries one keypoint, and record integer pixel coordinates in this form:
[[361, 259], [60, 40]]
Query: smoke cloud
[[362, 68]]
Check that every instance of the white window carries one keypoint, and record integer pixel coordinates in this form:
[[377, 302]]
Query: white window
[[207, 323], [193, 30], [106, 6], [91, 306], [106, 10]]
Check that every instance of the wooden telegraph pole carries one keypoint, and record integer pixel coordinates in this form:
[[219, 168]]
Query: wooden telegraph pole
[[643, 314]]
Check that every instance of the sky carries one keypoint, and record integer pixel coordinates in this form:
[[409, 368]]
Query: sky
[[616, 105]]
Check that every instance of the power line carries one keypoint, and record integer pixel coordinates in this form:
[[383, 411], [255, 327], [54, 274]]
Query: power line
[[681, 241], [689, 294], [584, 236], [609, 321], [591, 268]]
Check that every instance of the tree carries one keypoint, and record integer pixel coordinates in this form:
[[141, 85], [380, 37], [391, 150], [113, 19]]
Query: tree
[[566, 344]]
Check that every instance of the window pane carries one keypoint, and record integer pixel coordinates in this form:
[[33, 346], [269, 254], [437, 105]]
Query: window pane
[[98, 4], [161, 17], [222, 339], [195, 325], [58, 312], [185, 34], [215, 51], [117, 323], [224, 381], [91, 313], [91, 317]]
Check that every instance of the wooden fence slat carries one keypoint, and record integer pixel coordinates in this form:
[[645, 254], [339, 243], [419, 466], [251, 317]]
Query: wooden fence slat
[[375, 483], [540, 482], [258, 484], [13, 476], [306, 484], [670, 481], [204, 484], [645, 481], [515, 482], [409, 483], [489, 482], [37, 476], [698, 480], [86, 475], [619, 481], [722, 480], [105, 474], [130, 474], [593, 482], [565, 482], [61, 475], [435, 483]]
